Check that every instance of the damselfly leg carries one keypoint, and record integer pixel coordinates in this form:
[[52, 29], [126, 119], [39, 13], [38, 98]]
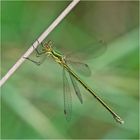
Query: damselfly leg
[[38, 54]]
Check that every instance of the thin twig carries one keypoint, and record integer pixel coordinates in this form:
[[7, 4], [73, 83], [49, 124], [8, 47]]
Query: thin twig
[[39, 40]]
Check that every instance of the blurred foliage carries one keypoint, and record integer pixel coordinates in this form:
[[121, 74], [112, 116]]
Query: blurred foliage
[[32, 99]]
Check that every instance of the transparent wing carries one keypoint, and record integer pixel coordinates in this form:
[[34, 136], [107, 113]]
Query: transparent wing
[[67, 97], [90, 50], [95, 49], [80, 67], [76, 88]]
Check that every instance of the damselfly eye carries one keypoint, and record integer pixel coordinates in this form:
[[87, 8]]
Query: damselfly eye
[[48, 45]]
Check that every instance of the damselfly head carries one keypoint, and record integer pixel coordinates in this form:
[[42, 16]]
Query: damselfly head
[[48, 46]]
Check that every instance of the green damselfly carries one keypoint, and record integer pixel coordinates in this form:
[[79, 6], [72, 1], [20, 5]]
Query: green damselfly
[[48, 50]]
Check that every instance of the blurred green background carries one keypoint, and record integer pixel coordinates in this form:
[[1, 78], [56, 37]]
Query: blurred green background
[[32, 99]]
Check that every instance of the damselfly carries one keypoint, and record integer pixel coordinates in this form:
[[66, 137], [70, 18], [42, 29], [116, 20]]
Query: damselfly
[[48, 50]]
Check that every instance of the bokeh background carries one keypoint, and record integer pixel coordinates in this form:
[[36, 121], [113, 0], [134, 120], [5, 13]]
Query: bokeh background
[[32, 99]]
